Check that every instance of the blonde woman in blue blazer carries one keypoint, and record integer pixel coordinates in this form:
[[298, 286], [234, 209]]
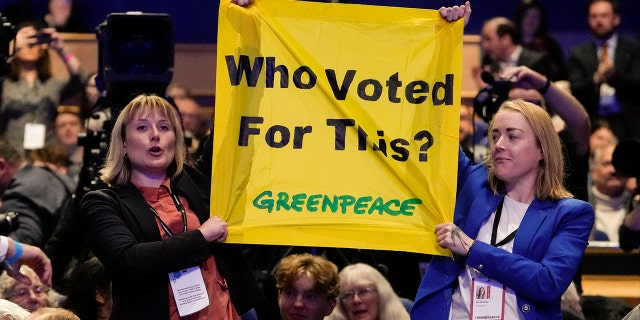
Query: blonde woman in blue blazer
[[517, 232]]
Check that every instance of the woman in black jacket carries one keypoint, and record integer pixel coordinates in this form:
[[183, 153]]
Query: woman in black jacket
[[153, 224]]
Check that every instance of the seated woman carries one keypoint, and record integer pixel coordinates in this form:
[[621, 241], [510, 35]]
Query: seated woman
[[32, 297], [366, 294]]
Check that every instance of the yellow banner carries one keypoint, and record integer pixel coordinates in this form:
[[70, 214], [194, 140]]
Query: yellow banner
[[336, 125]]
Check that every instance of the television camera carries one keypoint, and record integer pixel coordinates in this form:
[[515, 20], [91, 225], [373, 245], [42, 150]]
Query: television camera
[[135, 56]]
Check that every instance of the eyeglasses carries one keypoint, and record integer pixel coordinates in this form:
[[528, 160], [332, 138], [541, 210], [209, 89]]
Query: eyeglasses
[[24, 292], [363, 293]]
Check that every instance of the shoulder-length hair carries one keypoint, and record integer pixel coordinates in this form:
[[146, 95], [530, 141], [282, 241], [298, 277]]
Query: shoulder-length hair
[[117, 167], [390, 306], [551, 168], [43, 65]]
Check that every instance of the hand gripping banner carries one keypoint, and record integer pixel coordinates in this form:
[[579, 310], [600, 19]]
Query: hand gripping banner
[[336, 125]]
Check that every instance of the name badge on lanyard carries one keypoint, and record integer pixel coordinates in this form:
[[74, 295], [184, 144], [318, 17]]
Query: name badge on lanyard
[[487, 299], [34, 134], [189, 290], [187, 285]]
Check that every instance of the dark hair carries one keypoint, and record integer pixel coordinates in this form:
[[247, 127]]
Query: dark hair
[[43, 63], [85, 280], [614, 4], [508, 28], [525, 6]]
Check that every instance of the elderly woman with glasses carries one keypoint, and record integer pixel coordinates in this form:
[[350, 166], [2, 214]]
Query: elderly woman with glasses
[[30, 297], [366, 294]]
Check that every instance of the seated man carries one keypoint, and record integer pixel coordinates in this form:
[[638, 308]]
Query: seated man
[[607, 195], [307, 287], [35, 193]]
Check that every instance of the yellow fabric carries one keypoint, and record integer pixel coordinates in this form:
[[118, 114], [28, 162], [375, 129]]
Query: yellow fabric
[[368, 163]]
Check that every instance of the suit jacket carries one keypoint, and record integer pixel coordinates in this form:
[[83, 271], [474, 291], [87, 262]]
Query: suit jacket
[[539, 62], [583, 63], [124, 235], [547, 250]]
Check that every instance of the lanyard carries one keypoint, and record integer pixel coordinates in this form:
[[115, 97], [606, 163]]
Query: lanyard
[[494, 232], [180, 208]]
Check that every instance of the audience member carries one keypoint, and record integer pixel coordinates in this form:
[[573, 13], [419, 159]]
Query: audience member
[[89, 291], [63, 17], [502, 49], [307, 287], [473, 134], [178, 91], [145, 172], [605, 71], [601, 134], [48, 313], [607, 195], [522, 177], [30, 94], [11, 311], [35, 193], [531, 25], [31, 297], [53, 156], [69, 124], [195, 125], [366, 294]]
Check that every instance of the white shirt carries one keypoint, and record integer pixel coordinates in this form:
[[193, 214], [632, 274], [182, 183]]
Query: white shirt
[[511, 217]]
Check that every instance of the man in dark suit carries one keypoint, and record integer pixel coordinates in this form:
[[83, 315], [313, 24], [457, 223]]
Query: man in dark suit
[[605, 72], [502, 48]]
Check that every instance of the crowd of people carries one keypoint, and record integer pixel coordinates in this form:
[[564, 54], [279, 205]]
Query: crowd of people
[[536, 184]]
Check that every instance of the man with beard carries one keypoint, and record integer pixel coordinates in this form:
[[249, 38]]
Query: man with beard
[[605, 72]]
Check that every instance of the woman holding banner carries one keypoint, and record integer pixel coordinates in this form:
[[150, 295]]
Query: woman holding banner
[[151, 228], [517, 231]]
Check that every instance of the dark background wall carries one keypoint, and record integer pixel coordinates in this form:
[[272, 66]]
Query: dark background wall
[[196, 20]]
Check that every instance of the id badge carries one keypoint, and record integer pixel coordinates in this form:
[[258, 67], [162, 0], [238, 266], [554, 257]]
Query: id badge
[[189, 290], [34, 134], [487, 299]]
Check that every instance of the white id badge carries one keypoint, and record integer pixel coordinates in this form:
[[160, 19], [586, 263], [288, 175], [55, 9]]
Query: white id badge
[[34, 134], [487, 299], [189, 290]]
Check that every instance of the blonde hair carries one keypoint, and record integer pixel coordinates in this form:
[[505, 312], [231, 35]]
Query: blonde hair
[[117, 168], [390, 306], [550, 176]]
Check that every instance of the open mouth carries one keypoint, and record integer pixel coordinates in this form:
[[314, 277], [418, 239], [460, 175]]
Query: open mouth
[[155, 150]]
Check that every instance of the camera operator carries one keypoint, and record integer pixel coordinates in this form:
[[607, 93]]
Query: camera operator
[[30, 94]]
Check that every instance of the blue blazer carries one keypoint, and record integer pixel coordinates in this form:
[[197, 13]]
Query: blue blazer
[[547, 250]]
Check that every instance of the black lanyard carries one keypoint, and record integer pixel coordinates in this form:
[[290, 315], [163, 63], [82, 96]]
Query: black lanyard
[[496, 222], [180, 208]]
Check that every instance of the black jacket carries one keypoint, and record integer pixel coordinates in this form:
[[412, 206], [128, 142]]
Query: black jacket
[[124, 235]]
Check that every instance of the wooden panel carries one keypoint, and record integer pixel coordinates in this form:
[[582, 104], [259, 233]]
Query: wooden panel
[[471, 52], [625, 287]]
